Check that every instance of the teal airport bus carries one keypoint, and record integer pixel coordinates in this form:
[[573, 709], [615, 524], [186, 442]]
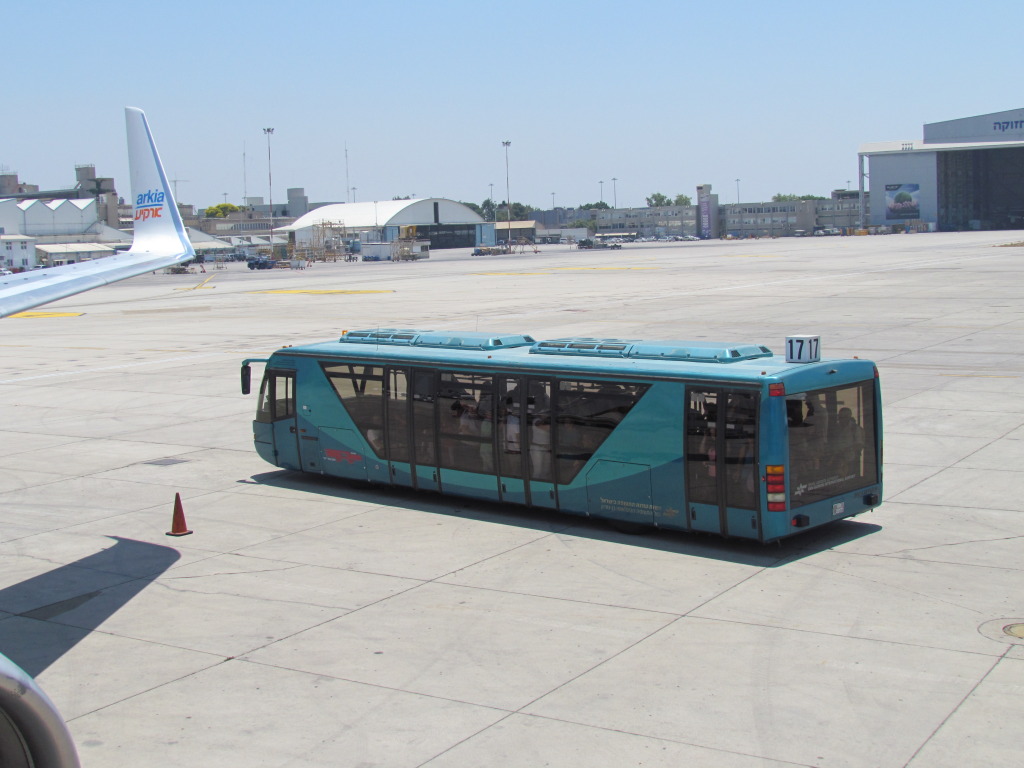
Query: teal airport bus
[[726, 439]]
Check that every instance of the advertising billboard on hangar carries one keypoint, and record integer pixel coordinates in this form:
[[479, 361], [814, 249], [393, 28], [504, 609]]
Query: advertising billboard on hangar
[[902, 201]]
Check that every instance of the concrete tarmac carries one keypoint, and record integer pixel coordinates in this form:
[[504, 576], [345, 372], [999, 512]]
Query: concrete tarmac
[[316, 623]]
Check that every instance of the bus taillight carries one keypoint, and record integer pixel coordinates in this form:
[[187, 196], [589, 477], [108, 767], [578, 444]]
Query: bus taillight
[[776, 482], [777, 390]]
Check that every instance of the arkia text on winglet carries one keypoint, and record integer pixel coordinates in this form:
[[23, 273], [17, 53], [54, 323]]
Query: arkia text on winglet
[[160, 239]]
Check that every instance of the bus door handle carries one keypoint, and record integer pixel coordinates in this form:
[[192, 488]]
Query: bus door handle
[[292, 430], [504, 489], [693, 513], [433, 475]]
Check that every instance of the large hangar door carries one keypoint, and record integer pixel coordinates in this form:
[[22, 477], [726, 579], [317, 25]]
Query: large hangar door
[[448, 235]]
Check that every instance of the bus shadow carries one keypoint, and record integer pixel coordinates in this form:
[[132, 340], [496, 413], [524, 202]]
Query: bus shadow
[[740, 551], [93, 587]]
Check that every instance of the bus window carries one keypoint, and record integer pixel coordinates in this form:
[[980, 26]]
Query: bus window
[[702, 447], [361, 390], [423, 425], [508, 417], [832, 445], [464, 405], [538, 430], [398, 415], [277, 397], [588, 411]]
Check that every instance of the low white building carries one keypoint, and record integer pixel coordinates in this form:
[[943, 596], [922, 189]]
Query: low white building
[[59, 254], [17, 252]]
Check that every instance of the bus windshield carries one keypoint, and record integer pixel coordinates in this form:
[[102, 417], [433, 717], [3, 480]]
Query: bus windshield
[[832, 445]]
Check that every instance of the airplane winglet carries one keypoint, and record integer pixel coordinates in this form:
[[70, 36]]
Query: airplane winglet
[[159, 241], [158, 224]]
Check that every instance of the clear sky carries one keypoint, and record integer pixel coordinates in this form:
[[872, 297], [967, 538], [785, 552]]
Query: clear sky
[[661, 96]]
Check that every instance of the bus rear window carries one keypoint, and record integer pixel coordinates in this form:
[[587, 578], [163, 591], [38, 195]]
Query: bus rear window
[[832, 445]]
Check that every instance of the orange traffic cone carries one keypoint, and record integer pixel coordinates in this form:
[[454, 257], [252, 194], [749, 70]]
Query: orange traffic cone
[[178, 527]]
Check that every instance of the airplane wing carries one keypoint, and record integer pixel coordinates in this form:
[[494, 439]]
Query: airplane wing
[[160, 239]]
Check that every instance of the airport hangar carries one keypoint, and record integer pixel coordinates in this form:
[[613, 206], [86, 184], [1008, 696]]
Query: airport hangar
[[446, 223], [964, 174]]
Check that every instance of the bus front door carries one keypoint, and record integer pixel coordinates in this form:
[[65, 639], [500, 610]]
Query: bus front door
[[721, 462], [276, 416]]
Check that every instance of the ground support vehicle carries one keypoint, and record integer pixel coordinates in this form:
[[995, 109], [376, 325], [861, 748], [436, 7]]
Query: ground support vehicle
[[726, 439]]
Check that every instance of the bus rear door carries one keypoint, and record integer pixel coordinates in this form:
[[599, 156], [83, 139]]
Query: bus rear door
[[721, 461]]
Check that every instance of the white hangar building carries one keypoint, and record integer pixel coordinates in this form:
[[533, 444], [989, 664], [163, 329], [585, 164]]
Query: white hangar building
[[964, 174], [446, 223]]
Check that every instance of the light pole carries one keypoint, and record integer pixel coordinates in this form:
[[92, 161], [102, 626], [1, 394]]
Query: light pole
[[494, 212], [552, 201], [268, 132], [602, 190], [737, 191], [225, 198], [353, 194], [508, 195], [615, 194]]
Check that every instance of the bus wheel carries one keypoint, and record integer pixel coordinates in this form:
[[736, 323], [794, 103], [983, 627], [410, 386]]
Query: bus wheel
[[633, 529]]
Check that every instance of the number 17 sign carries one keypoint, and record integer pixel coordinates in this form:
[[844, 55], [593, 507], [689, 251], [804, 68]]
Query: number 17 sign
[[803, 349]]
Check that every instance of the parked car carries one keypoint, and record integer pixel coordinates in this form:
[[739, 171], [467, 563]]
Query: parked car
[[5, 272]]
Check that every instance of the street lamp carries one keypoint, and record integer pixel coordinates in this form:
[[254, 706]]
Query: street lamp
[[602, 190], [268, 132], [353, 194], [737, 191], [615, 194], [494, 211], [552, 201], [508, 194]]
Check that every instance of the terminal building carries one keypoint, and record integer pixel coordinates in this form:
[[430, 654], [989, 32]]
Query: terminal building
[[963, 174]]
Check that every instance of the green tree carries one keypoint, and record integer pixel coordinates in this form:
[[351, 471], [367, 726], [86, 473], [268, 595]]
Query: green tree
[[520, 212], [601, 206], [781, 198], [590, 224], [220, 210], [658, 200], [682, 200], [473, 207], [488, 209]]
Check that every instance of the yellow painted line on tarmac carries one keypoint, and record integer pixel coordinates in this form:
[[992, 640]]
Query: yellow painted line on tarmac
[[515, 274], [319, 291], [48, 314], [201, 285], [602, 268]]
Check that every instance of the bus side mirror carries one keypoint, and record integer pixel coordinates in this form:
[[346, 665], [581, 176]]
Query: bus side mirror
[[246, 379]]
